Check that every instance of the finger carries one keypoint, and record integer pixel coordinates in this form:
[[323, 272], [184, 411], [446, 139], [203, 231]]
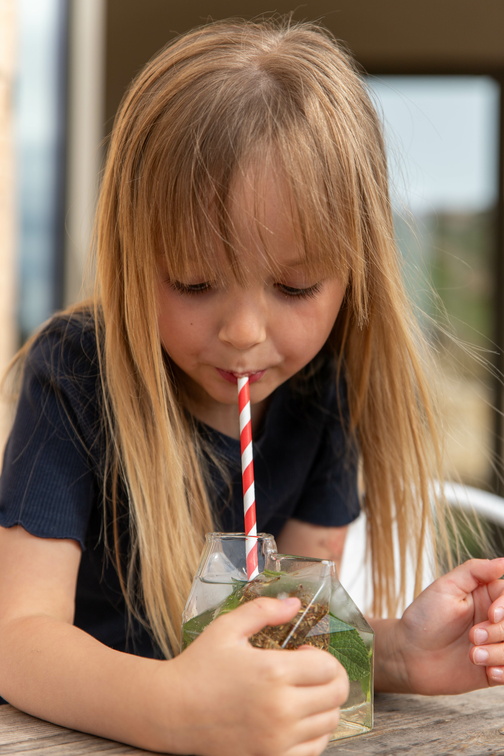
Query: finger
[[492, 629], [322, 698], [300, 669], [320, 667], [317, 726], [496, 593], [310, 748], [487, 632], [252, 616], [491, 655], [471, 574], [495, 675]]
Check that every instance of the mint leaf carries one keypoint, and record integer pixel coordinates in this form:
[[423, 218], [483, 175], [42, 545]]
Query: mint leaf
[[232, 601], [273, 573], [194, 627], [349, 648]]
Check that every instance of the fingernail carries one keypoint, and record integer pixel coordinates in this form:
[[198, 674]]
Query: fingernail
[[480, 656], [496, 673], [480, 636], [499, 614], [290, 601]]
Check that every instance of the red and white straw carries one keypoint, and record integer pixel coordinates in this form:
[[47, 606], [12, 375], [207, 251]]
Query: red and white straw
[[247, 466]]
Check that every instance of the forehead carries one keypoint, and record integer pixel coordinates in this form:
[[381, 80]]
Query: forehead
[[263, 222], [258, 219]]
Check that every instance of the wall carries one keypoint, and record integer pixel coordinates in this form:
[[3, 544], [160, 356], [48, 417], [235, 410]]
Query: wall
[[426, 35]]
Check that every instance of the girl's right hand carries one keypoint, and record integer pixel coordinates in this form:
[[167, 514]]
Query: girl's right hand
[[235, 698]]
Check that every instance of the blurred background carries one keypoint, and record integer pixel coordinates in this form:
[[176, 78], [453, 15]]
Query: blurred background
[[436, 72]]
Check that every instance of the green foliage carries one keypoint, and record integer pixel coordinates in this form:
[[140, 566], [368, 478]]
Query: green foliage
[[348, 647]]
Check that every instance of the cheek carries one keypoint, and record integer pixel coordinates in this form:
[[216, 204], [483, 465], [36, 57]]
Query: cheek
[[303, 338], [184, 336], [315, 323], [307, 335], [175, 317], [329, 313], [172, 330]]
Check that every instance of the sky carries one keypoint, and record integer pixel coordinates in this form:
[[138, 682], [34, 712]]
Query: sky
[[441, 135]]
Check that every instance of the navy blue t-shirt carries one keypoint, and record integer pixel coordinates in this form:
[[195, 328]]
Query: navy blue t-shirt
[[52, 479]]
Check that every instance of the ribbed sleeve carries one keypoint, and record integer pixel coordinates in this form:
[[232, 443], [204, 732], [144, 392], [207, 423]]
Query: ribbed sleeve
[[51, 464]]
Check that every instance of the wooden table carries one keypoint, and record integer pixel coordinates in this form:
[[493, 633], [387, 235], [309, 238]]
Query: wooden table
[[468, 725]]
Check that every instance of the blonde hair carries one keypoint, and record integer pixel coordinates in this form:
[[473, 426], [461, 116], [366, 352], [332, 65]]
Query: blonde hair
[[211, 102]]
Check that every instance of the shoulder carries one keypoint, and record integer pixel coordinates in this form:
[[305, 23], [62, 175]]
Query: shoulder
[[53, 462], [65, 347], [61, 375], [68, 331]]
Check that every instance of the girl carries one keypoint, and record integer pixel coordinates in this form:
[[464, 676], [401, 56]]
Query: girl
[[243, 228]]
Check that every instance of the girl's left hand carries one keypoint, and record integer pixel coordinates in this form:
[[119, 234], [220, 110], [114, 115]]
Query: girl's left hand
[[451, 638]]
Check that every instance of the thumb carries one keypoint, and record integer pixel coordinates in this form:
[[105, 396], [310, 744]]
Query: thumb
[[469, 575], [252, 616]]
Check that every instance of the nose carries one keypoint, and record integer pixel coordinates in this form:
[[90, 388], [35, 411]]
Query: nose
[[244, 319]]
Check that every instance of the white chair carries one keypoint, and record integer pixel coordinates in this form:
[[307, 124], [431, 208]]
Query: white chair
[[355, 572], [489, 506]]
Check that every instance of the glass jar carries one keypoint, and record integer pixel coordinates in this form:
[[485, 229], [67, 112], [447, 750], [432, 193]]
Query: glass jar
[[221, 569], [327, 619]]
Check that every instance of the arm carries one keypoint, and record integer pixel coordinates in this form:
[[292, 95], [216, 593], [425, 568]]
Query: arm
[[304, 539], [53, 670], [48, 667], [432, 649]]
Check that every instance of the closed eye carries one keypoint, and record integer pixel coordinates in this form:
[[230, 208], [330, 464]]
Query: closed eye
[[297, 293], [195, 288]]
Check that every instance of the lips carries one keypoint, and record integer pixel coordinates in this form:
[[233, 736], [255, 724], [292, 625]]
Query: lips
[[231, 377]]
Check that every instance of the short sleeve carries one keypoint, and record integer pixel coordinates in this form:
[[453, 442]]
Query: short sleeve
[[49, 477]]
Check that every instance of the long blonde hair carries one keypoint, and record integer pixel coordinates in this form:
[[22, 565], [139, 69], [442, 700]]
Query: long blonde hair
[[209, 103]]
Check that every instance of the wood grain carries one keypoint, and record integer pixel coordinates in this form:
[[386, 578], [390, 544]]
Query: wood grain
[[468, 725], [22, 734], [471, 724]]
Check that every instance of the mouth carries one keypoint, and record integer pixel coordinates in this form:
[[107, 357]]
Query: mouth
[[231, 377]]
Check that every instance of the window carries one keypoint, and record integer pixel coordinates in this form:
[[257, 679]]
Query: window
[[442, 141], [40, 113]]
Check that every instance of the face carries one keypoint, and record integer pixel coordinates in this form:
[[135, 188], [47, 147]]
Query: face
[[267, 328]]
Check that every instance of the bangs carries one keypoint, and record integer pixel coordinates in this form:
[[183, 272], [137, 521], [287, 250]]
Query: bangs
[[204, 235]]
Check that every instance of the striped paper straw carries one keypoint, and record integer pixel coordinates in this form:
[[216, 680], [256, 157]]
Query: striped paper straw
[[247, 466]]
